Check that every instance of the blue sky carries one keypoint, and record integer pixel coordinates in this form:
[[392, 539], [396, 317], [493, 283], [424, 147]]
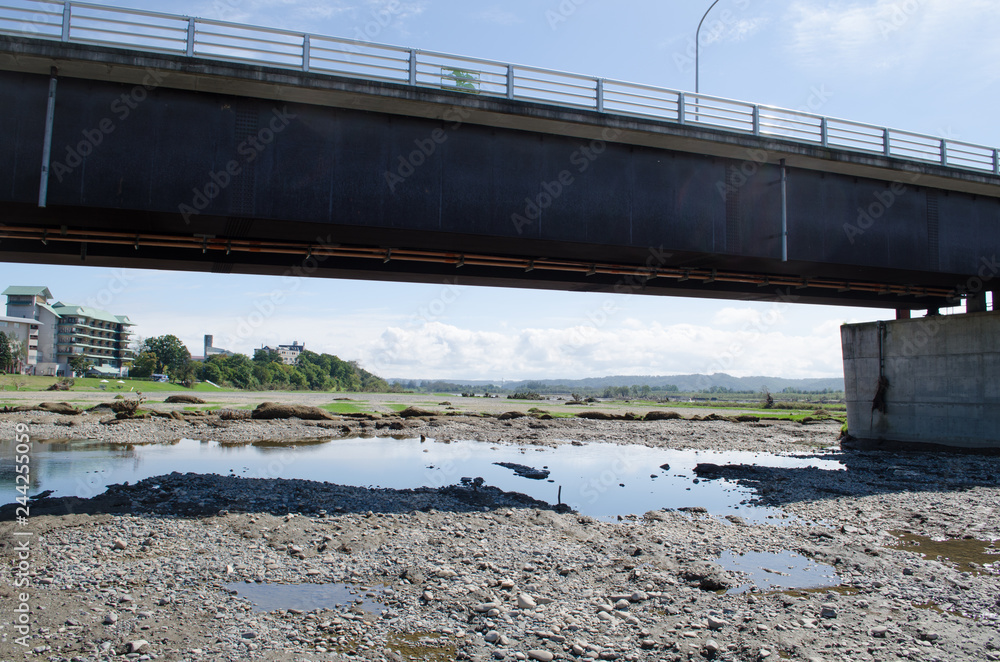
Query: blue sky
[[927, 66]]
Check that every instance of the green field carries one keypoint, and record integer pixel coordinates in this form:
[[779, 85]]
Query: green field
[[91, 384], [344, 408]]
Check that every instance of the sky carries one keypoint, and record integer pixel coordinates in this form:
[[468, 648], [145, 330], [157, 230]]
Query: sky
[[927, 66]]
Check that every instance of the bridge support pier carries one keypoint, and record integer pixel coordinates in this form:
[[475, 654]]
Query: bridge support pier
[[925, 384]]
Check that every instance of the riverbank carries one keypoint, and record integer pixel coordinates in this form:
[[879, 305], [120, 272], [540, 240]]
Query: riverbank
[[469, 572]]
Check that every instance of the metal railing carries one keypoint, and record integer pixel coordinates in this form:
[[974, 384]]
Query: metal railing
[[86, 23]]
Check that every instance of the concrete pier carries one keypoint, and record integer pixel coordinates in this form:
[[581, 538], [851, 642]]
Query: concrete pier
[[940, 377]]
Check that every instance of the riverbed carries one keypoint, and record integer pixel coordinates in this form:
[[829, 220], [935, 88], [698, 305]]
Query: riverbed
[[498, 569]]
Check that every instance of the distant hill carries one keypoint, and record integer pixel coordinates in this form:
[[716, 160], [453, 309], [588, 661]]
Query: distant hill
[[682, 382]]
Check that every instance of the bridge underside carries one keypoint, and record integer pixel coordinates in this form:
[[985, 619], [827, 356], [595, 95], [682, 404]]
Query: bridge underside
[[157, 176]]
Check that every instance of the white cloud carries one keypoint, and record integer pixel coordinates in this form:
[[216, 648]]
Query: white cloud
[[897, 35], [438, 350], [731, 29]]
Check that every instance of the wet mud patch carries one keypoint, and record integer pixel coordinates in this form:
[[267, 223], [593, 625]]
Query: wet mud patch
[[966, 554]]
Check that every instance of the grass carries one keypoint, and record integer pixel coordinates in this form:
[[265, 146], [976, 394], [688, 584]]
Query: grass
[[39, 383], [968, 555], [395, 406], [754, 406], [343, 408], [216, 407]]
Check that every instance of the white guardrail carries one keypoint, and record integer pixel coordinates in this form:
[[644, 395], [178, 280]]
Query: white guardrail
[[85, 23]]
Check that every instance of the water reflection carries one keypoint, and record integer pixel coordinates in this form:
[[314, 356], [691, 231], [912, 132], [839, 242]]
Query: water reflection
[[600, 480], [770, 571], [306, 597]]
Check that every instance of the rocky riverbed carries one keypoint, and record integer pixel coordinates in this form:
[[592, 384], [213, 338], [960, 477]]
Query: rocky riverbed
[[148, 571]]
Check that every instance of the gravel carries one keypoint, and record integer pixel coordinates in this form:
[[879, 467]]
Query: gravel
[[471, 572]]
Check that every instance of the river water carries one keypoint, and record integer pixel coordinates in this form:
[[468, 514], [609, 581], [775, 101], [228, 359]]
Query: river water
[[601, 480]]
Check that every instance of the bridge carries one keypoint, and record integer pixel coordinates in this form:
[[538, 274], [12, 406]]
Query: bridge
[[158, 141], [150, 140]]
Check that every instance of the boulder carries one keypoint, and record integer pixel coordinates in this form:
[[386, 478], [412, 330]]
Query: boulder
[[412, 412], [59, 408], [275, 410], [662, 416], [605, 416], [185, 399], [707, 576]]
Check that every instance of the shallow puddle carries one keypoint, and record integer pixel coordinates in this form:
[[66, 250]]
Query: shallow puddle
[[770, 571], [968, 555], [601, 480], [306, 597]]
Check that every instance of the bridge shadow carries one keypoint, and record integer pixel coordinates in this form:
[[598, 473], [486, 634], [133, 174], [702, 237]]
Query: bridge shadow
[[864, 473], [193, 495]]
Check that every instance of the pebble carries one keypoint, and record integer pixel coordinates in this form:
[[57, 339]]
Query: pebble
[[465, 562], [110, 618], [138, 646], [525, 601], [540, 655], [119, 544]]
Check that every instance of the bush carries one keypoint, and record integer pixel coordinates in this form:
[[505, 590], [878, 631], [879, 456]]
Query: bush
[[525, 395], [128, 407]]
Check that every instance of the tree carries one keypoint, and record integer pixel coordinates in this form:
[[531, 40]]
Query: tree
[[144, 366], [264, 356], [209, 372], [6, 357], [79, 363], [18, 353], [171, 354]]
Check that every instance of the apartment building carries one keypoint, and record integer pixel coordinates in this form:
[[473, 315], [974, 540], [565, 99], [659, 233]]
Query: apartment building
[[23, 336], [68, 330], [289, 353]]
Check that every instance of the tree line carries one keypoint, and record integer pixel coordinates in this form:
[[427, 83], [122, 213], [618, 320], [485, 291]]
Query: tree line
[[317, 372]]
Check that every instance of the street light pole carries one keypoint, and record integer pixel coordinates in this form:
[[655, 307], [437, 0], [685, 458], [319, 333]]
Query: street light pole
[[697, 47]]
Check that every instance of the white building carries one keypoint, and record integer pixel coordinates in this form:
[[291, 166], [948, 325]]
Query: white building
[[289, 353], [67, 330], [23, 334]]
